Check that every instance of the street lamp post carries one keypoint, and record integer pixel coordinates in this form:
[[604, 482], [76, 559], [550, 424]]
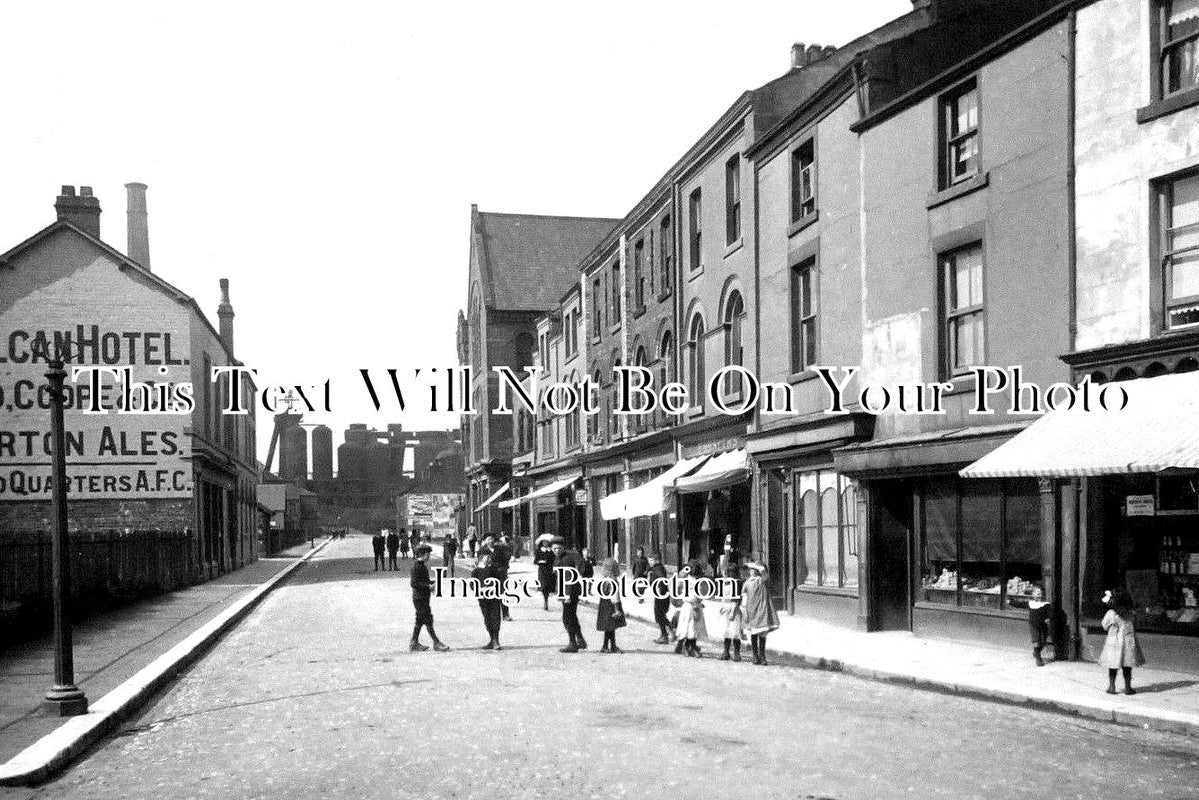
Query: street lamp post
[[64, 699]]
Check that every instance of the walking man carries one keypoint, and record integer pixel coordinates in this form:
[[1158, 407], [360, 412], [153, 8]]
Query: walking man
[[569, 591], [393, 547], [422, 592], [449, 549], [377, 544], [501, 558]]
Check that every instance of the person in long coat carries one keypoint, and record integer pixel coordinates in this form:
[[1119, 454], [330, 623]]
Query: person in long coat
[[1121, 652], [393, 547], [758, 614], [691, 626], [569, 559], [610, 617], [544, 559], [485, 573]]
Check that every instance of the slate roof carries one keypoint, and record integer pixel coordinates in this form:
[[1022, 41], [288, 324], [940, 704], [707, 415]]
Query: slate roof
[[530, 261]]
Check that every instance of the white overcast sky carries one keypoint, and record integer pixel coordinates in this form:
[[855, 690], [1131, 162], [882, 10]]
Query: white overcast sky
[[324, 156]]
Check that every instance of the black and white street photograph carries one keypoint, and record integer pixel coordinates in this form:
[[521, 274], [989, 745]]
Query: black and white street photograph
[[537, 399]]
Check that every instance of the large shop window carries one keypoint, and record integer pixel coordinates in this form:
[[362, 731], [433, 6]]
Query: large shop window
[[827, 523], [980, 543]]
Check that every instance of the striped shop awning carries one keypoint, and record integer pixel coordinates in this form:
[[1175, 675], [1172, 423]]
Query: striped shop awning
[[1158, 430]]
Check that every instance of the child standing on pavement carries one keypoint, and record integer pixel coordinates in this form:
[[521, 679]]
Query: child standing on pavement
[[610, 617], [422, 592], [759, 614], [1121, 651]]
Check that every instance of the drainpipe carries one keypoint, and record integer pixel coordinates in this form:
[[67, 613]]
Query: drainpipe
[[1071, 223]]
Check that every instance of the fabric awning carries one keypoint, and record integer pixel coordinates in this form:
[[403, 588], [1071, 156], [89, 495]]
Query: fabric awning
[[549, 488], [649, 498], [726, 469], [493, 498], [1158, 430]]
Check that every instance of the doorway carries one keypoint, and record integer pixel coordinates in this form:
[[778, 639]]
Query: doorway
[[892, 521]]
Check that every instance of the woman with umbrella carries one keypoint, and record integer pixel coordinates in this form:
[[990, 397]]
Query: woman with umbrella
[[544, 559]]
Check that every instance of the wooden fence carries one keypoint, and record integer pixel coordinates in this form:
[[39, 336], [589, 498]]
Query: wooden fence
[[107, 568]]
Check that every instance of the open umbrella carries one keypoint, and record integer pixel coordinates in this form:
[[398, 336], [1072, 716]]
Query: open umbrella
[[545, 537]]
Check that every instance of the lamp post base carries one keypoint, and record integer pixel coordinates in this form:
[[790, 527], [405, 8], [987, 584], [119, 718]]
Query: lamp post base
[[64, 701]]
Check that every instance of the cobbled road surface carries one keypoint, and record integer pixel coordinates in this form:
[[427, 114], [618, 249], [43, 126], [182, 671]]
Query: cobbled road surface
[[315, 695]]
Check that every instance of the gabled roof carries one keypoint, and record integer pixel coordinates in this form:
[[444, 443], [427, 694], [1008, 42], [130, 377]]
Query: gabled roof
[[529, 261], [124, 262]]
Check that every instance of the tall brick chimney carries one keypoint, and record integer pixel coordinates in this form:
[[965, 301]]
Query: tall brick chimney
[[82, 210], [135, 215], [225, 314]]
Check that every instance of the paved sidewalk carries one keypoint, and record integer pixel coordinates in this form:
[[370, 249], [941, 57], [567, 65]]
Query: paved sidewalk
[[112, 647], [1167, 701]]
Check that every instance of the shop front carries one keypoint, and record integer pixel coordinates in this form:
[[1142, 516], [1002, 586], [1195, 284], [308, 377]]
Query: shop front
[[713, 504], [552, 508], [1128, 484], [808, 517], [941, 555], [645, 509]]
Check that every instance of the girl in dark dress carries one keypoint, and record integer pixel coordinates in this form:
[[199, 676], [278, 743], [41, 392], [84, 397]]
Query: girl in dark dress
[[492, 613], [544, 559], [611, 614]]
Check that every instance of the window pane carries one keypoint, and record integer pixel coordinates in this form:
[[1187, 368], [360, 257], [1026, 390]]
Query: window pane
[[849, 532], [809, 342], [830, 534], [939, 542], [965, 156], [806, 292], [967, 112], [1184, 276], [981, 523], [1023, 532], [809, 522], [963, 343], [961, 270]]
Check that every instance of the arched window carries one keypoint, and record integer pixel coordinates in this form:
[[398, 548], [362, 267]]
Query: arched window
[[640, 359], [666, 358], [734, 349], [695, 359], [594, 426], [613, 418]]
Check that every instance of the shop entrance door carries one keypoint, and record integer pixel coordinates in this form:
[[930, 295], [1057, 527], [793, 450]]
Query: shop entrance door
[[778, 503], [889, 598]]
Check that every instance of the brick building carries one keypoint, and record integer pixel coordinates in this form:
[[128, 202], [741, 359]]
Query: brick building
[[193, 472], [952, 190]]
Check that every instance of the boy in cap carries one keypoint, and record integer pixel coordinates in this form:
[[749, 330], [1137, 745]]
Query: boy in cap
[[422, 591]]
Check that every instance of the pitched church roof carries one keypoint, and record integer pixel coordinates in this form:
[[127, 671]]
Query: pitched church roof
[[528, 261]]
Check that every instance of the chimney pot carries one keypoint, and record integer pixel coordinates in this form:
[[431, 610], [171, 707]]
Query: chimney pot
[[85, 191], [797, 55], [137, 226], [83, 211]]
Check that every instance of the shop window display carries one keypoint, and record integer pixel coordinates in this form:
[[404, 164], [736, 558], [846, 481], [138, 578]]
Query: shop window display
[[827, 529], [980, 543]]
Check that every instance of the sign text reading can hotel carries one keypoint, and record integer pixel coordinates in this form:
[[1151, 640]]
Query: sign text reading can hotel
[[734, 390]]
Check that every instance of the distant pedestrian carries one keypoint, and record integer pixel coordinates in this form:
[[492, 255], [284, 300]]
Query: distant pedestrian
[[449, 551], [403, 546], [472, 539], [393, 547], [657, 572], [610, 617], [692, 627], [569, 593], [544, 560], [378, 543], [422, 592], [589, 563], [640, 567], [413, 539], [1121, 652], [760, 618], [729, 563], [484, 573], [501, 559]]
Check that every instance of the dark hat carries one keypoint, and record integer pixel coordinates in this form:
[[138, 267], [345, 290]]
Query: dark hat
[[422, 550]]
